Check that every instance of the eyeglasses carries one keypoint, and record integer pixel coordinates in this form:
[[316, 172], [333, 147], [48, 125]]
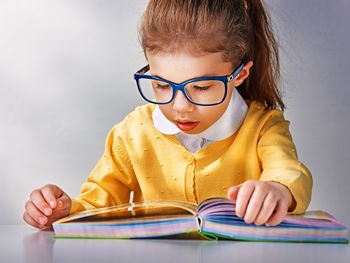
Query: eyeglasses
[[205, 91]]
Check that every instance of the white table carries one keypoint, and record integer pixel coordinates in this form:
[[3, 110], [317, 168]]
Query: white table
[[20, 243]]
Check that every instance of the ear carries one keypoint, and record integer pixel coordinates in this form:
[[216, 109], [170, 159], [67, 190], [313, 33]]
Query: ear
[[243, 74]]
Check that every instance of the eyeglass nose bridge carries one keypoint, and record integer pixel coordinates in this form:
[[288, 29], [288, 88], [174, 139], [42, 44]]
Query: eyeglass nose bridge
[[179, 87]]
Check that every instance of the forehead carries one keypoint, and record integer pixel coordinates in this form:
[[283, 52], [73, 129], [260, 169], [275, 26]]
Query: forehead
[[179, 67]]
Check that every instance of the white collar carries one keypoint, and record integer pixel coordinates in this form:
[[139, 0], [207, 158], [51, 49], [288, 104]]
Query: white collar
[[223, 128]]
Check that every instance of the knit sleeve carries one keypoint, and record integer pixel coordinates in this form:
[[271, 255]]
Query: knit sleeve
[[111, 180], [280, 163]]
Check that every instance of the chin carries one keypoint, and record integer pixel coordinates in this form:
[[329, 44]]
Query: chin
[[194, 131]]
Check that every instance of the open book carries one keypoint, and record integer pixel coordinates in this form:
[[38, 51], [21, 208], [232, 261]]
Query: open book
[[213, 218]]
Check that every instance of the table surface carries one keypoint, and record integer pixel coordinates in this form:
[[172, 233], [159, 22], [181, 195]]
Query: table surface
[[21, 243]]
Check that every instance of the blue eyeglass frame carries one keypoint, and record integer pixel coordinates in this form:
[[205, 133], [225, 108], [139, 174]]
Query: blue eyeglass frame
[[181, 86]]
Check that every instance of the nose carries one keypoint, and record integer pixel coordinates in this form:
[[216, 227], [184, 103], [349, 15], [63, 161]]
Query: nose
[[181, 103]]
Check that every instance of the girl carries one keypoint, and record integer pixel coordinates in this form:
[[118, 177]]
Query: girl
[[213, 126]]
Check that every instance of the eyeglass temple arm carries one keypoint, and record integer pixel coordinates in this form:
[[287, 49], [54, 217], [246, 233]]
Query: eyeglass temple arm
[[143, 70], [241, 65]]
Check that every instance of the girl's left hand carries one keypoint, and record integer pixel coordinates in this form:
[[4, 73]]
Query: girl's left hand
[[261, 202]]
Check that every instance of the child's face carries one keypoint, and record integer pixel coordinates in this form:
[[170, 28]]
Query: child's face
[[180, 67]]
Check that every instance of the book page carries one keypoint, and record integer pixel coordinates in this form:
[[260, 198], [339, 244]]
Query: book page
[[216, 206], [144, 210], [220, 209]]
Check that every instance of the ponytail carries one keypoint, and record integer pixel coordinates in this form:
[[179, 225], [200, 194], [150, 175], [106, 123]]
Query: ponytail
[[262, 84]]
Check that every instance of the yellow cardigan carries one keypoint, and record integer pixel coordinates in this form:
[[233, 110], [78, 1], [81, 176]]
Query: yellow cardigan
[[156, 166]]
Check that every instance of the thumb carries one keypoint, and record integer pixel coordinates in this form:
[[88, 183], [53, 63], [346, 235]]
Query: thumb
[[232, 193], [62, 209], [64, 203]]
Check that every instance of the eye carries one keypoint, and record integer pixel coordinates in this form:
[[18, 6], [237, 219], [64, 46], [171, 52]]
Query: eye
[[201, 87], [162, 86]]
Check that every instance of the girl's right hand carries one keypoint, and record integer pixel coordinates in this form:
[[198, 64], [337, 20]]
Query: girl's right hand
[[46, 205]]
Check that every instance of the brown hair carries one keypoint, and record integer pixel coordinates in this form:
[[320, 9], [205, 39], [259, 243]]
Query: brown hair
[[237, 28]]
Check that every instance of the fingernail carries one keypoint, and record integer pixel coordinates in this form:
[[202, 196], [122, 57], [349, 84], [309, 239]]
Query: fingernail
[[52, 203], [47, 211]]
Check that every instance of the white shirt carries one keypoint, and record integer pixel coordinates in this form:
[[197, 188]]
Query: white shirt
[[224, 127]]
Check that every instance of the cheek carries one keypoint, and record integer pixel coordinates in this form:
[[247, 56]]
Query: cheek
[[167, 110], [212, 114]]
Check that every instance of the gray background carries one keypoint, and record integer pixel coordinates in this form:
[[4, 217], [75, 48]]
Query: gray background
[[66, 78]]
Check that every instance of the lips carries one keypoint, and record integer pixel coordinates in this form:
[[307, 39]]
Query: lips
[[186, 125]]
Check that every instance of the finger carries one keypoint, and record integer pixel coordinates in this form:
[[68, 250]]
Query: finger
[[267, 209], [40, 203], [244, 194], [29, 220], [62, 209], [255, 204], [233, 192], [34, 212], [64, 203], [51, 193], [278, 215]]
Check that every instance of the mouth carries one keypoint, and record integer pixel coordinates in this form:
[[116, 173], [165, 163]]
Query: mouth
[[186, 125]]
